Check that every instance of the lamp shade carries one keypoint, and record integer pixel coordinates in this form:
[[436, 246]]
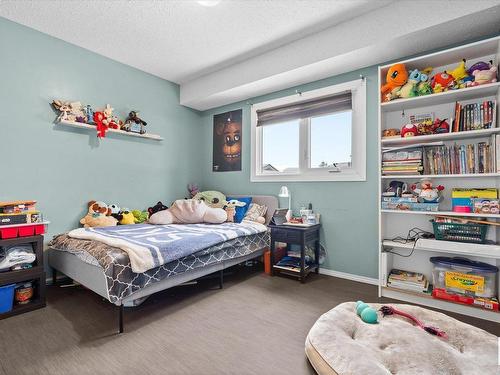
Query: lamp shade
[[284, 192]]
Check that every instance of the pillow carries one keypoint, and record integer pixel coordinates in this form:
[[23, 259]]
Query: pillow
[[241, 211], [255, 211]]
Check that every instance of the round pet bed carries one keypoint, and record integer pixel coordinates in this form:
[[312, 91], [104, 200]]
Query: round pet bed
[[341, 343]]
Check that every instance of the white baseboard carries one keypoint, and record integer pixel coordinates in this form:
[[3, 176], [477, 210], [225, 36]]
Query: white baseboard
[[349, 276]]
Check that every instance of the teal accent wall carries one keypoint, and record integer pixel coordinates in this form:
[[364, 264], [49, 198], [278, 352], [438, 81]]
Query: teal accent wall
[[63, 168], [348, 209]]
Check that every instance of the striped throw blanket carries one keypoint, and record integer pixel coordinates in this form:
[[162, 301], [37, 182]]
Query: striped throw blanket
[[149, 246]]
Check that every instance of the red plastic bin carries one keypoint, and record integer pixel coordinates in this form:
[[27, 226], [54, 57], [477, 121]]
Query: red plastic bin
[[28, 230], [8, 232], [39, 229]]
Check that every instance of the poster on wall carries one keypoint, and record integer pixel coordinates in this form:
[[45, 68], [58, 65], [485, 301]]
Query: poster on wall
[[227, 142]]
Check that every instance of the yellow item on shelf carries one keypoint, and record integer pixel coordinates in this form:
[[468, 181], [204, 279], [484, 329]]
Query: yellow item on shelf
[[464, 281], [476, 193]]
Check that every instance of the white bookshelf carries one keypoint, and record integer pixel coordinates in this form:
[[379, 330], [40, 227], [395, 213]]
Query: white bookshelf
[[395, 114]]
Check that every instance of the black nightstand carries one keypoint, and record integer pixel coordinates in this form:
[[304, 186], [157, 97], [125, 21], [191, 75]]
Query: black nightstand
[[296, 235]]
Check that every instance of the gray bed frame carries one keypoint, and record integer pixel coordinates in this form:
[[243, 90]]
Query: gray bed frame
[[93, 278]]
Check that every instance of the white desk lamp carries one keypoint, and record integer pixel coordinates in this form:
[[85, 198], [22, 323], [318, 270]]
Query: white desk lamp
[[284, 193]]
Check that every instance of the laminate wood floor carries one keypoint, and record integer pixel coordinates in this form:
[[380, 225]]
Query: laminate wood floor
[[256, 325]]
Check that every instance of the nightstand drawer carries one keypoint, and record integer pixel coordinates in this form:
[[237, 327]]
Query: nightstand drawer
[[289, 236]]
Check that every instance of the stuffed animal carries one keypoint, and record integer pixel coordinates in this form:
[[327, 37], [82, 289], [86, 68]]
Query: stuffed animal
[[140, 216], [395, 78], [193, 190], [409, 89], [189, 211], [424, 86], [69, 111], [99, 122], [481, 65], [460, 72], [212, 198], [390, 133], [409, 130], [442, 82], [231, 208], [440, 126], [134, 123], [426, 192], [156, 208], [483, 77], [99, 215], [126, 217]]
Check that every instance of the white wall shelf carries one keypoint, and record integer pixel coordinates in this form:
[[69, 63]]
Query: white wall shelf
[[441, 98], [399, 141], [397, 223], [449, 247], [80, 125]]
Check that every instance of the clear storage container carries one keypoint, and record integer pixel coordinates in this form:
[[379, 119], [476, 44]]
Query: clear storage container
[[464, 276]]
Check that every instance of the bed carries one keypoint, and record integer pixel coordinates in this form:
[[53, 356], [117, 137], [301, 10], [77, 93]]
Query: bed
[[108, 271]]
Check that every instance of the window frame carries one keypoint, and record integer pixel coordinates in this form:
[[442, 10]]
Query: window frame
[[357, 171]]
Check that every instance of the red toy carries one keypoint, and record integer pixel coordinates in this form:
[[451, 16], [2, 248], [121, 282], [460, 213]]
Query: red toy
[[409, 130], [389, 310], [101, 127], [442, 82], [440, 126]]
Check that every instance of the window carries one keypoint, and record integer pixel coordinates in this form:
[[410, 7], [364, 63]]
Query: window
[[315, 136]]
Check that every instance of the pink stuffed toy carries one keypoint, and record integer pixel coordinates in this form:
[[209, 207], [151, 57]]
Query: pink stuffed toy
[[483, 77]]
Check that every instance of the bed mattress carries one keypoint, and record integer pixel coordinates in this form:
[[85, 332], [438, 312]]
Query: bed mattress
[[122, 281]]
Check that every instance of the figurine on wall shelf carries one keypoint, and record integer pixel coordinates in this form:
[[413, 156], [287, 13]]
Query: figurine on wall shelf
[[89, 114], [101, 126], [134, 123]]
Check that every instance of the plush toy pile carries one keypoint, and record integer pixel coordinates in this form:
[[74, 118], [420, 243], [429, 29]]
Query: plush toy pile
[[204, 207], [403, 84]]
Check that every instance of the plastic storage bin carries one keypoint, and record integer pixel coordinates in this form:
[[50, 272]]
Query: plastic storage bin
[[464, 276], [471, 233], [6, 298]]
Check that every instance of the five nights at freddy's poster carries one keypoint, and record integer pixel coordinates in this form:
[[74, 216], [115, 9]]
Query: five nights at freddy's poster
[[227, 142]]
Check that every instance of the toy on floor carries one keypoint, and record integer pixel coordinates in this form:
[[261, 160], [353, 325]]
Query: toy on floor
[[366, 313], [395, 78], [156, 208], [389, 310], [99, 215]]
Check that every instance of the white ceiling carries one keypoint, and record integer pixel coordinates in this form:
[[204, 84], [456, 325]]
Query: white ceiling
[[180, 40]]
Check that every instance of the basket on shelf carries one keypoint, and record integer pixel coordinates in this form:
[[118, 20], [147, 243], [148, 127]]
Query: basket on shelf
[[470, 232]]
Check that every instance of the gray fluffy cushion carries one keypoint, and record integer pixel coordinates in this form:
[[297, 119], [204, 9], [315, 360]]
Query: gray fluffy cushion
[[341, 343]]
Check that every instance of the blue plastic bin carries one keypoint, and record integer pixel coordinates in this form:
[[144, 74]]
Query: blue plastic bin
[[6, 298]]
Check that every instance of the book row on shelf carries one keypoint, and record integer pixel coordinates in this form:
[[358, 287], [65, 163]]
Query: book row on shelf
[[474, 116], [466, 158]]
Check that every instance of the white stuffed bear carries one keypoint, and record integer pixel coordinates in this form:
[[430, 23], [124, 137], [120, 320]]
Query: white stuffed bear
[[189, 211]]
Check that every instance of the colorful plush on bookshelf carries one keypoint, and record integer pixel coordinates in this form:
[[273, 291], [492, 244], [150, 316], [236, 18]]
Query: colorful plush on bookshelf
[[426, 192], [397, 76], [409, 130], [387, 133], [483, 77], [442, 82]]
